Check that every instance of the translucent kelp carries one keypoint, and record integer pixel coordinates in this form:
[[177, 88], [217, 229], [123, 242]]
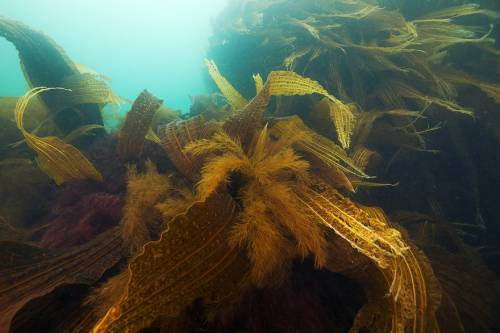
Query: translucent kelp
[[282, 217], [61, 161], [45, 64], [268, 213]]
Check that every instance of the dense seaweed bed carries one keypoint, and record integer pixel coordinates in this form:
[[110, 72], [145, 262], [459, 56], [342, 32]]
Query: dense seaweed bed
[[342, 177]]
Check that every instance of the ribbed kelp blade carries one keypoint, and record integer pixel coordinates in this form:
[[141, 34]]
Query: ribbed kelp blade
[[286, 83], [60, 161], [393, 93], [461, 78], [41, 272], [259, 83], [86, 89], [176, 135], [405, 275], [279, 83], [46, 64], [322, 148], [81, 132], [234, 98], [343, 120], [192, 261], [458, 11], [243, 124], [362, 156], [365, 121], [137, 124]]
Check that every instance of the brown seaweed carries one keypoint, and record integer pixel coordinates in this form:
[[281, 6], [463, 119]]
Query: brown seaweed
[[137, 124], [60, 161], [84, 264], [191, 260], [45, 64]]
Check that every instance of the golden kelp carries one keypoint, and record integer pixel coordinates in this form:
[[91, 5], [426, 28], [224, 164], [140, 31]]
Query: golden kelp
[[343, 120], [192, 260], [60, 161], [137, 125], [234, 98], [84, 264], [351, 46], [324, 149], [45, 64], [176, 135], [285, 214], [370, 234], [87, 88], [259, 83], [286, 83]]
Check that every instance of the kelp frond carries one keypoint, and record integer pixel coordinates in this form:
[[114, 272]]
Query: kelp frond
[[259, 83], [285, 83], [234, 98], [319, 146], [191, 261], [362, 156], [137, 125], [394, 92], [269, 170], [462, 78], [459, 11], [81, 131], [369, 232], [343, 120], [60, 161]]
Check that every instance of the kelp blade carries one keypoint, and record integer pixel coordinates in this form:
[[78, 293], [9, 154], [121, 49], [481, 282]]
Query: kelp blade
[[235, 99], [138, 121], [192, 260], [84, 264], [46, 64], [60, 161]]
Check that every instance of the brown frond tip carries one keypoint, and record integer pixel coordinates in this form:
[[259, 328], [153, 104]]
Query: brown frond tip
[[137, 124], [177, 135]]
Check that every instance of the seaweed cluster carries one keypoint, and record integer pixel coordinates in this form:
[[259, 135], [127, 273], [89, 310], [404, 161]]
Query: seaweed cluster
[[304, 202]]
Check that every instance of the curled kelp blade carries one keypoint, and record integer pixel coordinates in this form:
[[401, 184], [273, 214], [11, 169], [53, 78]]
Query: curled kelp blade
[[137, 124], [322, 148], [60, 161], [404, 281], [42, 272], [176, 135], [234, 98], [87, 88], [81, 132], [244, 123], [46, 64], [192, 260], [343, 120]]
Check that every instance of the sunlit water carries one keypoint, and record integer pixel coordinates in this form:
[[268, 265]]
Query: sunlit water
[[153, 44]]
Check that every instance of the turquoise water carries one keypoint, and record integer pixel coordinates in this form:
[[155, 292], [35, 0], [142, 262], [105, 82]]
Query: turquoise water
[[149, 44]]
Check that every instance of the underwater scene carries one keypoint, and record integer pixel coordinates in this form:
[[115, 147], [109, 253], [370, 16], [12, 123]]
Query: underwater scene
[[250, 166]]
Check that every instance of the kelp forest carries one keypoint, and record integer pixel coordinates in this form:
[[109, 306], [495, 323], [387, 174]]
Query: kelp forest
[[342, 176]]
